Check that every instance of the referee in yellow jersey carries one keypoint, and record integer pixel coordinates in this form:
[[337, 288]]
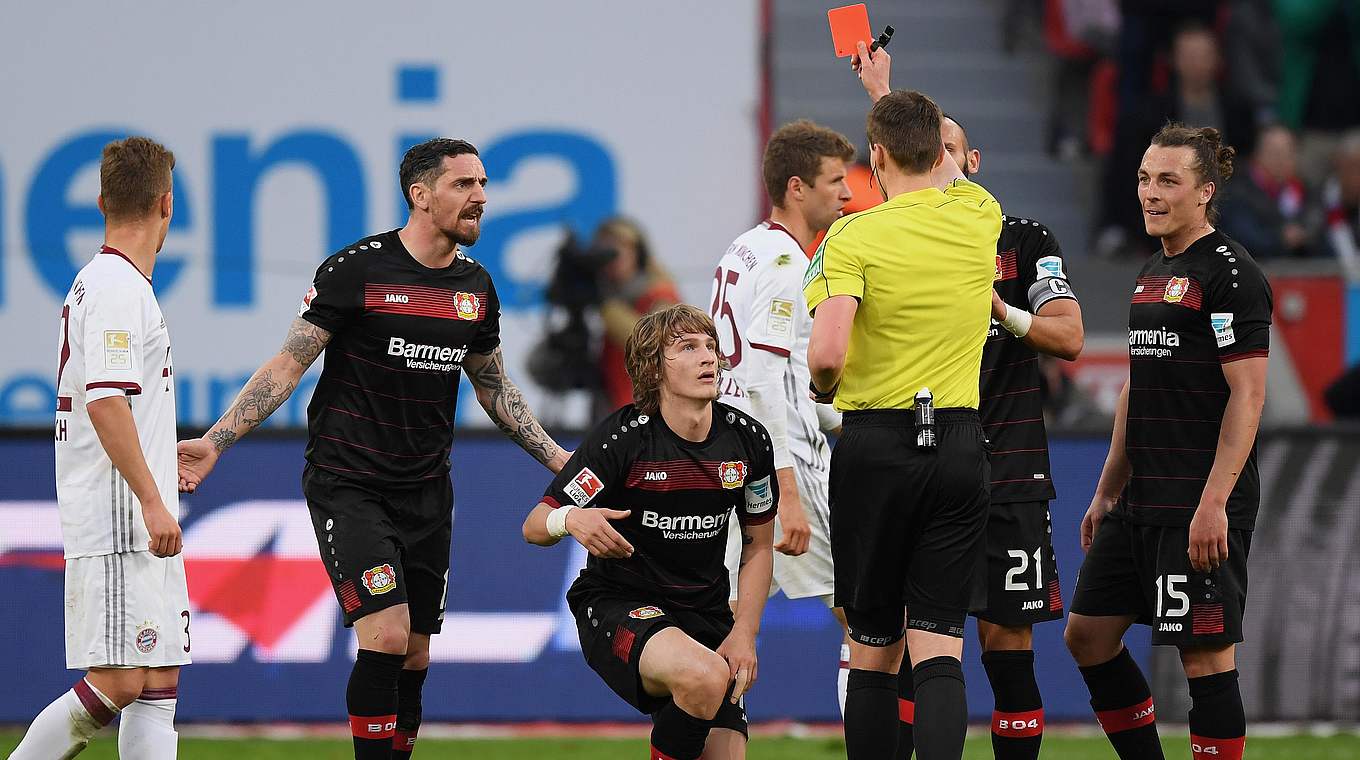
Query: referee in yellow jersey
[[901, 297]]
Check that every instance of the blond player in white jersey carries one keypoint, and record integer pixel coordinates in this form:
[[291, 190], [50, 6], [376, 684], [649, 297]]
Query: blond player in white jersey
[[763, 331], [127, 605]]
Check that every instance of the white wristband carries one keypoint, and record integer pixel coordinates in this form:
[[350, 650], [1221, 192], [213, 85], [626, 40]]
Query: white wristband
[[557, 521], [1017, 321]]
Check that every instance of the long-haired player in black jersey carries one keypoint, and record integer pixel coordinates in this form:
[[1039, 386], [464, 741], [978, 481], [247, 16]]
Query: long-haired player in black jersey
[[401, 315], [649, 493], [1169, 527]]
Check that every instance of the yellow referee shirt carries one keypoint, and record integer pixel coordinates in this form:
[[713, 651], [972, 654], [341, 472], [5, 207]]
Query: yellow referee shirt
[[922, 266]]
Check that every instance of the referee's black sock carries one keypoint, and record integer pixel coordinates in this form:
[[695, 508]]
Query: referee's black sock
[[409, 685], [677, 735], [941, 709], [870, 715], [1123, 705], [906, 708], [372, 701], [1018, 718], [1218, 724]]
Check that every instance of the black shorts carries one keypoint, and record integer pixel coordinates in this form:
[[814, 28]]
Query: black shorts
[[1144, 570], [383, 547], [1022, 573], [614, 626], [908, 525]]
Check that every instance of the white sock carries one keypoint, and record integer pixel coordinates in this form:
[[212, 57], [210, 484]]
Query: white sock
[[147, 730], [64, 727], [843, 677]]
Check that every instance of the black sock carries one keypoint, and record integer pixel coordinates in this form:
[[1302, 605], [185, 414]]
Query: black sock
[[1218, 725], [1018, 718], [409, 684], [870, 715], [906, 708], [372, 701], [1123, 706], [677, 735], [941, 709]]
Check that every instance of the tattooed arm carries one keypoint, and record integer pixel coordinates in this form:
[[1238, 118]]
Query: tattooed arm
[[266, 391], [505, 405]]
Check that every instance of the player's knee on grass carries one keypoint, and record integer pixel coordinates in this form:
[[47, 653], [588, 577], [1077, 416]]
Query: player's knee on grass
[[1200, 661], [699, 685]]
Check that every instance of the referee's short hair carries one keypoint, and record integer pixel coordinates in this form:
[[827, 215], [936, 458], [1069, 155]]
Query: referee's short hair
[[796, 150], [645, 352], [423, 163], [907, 124], [133, 175]]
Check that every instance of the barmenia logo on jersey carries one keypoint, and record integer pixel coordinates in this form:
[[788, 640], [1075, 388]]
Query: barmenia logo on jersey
[[732, 474], [1176, 288], [426, 356], [1154, 343], [686, 527], [467, 305], [584, 487], [380, 579]]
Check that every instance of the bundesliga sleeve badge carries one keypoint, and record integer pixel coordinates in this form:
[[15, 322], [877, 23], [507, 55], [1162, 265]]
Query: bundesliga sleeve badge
[[307, 301], [584, 487]]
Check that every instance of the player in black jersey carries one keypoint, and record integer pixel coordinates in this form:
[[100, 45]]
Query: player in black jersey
[[1022, 572], [649, 494], [1169, 528], [400, 316]]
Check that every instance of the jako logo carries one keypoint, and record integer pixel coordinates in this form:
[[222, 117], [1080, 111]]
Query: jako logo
[[654, 476], [396, 298]]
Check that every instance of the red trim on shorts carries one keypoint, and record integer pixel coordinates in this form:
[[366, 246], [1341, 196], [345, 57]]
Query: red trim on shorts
[[373, 726], [349, 596], [623, 643], [1018, 725], [1127, 718], [1206, 748], [404, 741], [906, 711], [92, 703], [659, 755]]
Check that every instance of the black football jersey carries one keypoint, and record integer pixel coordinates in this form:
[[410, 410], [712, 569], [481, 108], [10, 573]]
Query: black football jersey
[[1029, 273], [682, 495], [384, 406], [1191, 314]]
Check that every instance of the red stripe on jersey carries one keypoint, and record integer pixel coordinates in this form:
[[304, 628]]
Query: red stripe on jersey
[[1229, 358], [906, 711], [678, 474], [1018, 725], [132, 388], [1206, 618], [784, 352], [373, 726], [1006, 267], [63, 403], [422, 301], [92, 703], [1127, 718], [1055, 603], [1184, 291], [1206, 748]]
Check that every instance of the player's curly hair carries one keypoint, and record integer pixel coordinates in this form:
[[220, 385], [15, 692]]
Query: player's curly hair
[[645, 351], [1213, 159]]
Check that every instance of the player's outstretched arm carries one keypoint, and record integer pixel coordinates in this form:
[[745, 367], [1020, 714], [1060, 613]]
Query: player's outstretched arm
[[1241, 418], [873, 69], [590, 526], [506, 407], [117, 430], [266, 391], [1113, 476], [753, 587]]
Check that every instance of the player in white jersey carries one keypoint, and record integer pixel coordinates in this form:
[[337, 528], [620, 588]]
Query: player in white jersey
[[127, 604], [763, 330]]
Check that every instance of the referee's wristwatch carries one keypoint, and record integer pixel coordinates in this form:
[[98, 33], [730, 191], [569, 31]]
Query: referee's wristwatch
[[822, 397]]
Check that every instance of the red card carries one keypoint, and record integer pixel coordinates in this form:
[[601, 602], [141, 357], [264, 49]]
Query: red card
[[849, 25]]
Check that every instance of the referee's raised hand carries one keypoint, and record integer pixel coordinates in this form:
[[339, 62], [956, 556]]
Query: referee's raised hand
[[592, 529], [873, 69]]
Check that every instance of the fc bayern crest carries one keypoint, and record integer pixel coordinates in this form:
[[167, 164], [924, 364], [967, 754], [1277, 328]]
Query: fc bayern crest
[[467, 305], [146, 639], [1176, 288], [732, 474]]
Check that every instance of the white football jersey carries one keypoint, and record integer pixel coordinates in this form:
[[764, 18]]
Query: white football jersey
[[112, 342], [757, 305]]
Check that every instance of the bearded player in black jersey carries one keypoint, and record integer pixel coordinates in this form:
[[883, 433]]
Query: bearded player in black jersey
[[1169, 528], [400, 316], [649, 494], [1022, 572]]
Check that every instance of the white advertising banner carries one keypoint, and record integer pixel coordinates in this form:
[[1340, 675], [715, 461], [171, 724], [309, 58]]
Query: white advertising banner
[[289, 119]]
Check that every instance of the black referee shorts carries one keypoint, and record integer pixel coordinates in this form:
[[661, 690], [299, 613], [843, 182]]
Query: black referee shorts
[[908, 525]]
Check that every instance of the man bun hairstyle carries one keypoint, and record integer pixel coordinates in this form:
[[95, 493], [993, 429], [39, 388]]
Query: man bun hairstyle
[[1213, 159], [907, 124]]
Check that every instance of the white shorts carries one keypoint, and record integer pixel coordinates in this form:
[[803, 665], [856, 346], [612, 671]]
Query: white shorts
[[126, 610], [809, 574]]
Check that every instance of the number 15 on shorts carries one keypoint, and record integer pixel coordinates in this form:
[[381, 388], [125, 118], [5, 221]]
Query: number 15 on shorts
[[1172, 602]]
